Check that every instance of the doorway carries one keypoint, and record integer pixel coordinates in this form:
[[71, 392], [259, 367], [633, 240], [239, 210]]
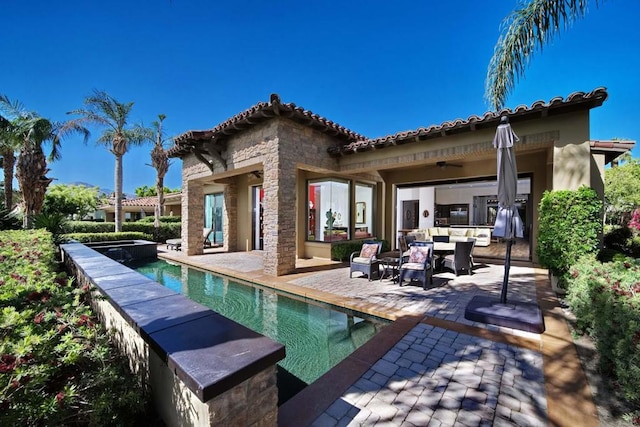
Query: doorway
[[410, 210], [257, 214]]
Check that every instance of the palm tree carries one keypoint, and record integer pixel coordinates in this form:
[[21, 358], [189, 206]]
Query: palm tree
[[160, 162], [8, 153], [30, 131], [533, 25], [103, 110]]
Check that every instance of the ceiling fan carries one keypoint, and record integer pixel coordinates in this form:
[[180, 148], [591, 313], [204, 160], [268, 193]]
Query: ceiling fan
[[444, 165]]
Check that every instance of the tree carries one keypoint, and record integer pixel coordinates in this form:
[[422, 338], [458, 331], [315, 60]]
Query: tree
[[70, 200], [102, 110], [160, 162], [148, 191], [8, 146], [31, 131], [622, 190], [533, 25]]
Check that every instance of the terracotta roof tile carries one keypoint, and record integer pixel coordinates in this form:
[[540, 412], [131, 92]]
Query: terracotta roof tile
[[259, 113], [557, 105]]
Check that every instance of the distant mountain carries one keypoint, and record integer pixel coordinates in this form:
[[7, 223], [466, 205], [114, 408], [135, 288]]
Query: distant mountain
[[105, 191]]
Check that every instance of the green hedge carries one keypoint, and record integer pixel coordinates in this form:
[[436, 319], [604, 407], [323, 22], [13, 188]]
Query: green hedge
[[569, 226], [105, 237], [164, 218], [342, 251], [162, 234], [605, 298], [57, 366]]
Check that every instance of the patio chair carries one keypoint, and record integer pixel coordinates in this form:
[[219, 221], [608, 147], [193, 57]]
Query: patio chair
[[206, 232], [404, 242], [366, 261], [418, 264], [462, 258]]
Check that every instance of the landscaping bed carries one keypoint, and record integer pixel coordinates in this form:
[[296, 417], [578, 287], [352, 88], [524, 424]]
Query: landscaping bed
[[57, 365]]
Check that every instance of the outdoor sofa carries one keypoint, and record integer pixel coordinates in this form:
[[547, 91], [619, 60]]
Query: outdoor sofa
[[482, 235]]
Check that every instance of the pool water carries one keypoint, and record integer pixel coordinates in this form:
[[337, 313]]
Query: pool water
[[316, 337]]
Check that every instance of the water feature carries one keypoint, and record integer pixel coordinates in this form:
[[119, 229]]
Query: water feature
[[317, 337]]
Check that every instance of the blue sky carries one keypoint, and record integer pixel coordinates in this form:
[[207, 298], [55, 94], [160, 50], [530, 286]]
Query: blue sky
[[375, 67]]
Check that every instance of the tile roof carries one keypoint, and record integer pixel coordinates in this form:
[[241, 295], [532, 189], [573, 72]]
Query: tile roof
[[353, 142], [574, 102], [261, 112], [149, 201]]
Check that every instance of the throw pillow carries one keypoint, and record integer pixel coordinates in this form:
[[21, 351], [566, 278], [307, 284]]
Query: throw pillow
[[419, 254], [369, 250]]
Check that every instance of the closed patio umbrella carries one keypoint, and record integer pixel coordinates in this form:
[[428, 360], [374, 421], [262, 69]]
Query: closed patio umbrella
[[518, 315], [508, 223]]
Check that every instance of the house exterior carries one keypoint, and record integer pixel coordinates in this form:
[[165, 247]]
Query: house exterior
[[284, 180], [139, 207]]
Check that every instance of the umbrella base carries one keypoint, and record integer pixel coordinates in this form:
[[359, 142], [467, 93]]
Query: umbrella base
[[516, 315]]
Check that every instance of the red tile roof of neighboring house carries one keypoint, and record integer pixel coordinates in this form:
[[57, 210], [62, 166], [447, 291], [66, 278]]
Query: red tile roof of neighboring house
[[149, 201], [611, 149], [353, 142]]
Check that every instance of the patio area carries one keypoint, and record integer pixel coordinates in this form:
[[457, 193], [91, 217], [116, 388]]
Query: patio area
[[431, 366]]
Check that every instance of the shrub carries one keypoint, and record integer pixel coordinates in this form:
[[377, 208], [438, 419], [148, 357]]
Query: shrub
[[163, 219], [342, 251], [568, 227], [163, 233], [105, 237], [605, 298], [57, 366], [55, 223]]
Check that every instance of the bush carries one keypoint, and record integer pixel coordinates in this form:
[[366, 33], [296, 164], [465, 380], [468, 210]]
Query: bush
[[105, 237], [605, 298], [163, 219], [161, 234], [568, 227], [623, 240], [342, 251], [57, 366]]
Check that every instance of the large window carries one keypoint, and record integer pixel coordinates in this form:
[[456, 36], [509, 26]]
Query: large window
[[329, 210]]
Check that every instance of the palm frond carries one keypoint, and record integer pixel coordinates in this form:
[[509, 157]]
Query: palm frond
[[527, 28]]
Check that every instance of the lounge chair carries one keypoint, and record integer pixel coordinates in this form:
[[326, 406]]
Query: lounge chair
[[418, 264], [462, 258], [366, 260], [176, 244]]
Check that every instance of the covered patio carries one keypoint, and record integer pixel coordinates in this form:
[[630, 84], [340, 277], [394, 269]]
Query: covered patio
[[466, 371]]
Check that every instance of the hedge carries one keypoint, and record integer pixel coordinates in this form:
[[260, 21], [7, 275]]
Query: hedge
[[342, 251], [105, 237], [164, 218], [569, 225], [162, 234], [605, 298]]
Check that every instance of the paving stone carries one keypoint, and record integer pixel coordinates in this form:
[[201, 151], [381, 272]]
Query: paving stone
[[385, 368], [445, 416], [434, 423], [415, 356], [503, 411], [392, 356], [501, 422], [509, 402], [364, 384], [339, 409], [382, 409], [364, 399], [324, 420], [449, 402], [468, 418], [361, 416], [396, 384], [527, 420], [385, 395]]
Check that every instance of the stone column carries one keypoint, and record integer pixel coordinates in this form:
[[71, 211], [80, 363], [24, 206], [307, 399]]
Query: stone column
[[280, 216], [230, 217], [192, 218]]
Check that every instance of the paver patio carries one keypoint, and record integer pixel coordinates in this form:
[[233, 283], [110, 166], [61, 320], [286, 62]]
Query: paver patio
[[431, 366]]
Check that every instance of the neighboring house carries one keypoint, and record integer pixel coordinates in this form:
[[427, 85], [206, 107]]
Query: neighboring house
[[139, 207], [282, 179]]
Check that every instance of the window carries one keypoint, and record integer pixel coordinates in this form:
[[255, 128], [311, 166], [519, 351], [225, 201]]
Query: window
[[328, 216], [364, 211]]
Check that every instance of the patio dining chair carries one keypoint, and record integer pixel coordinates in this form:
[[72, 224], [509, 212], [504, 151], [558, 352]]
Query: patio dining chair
[[418, 264], [366, 260], [462, 258]]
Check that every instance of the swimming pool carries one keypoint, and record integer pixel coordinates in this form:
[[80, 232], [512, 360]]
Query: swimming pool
[[317, 337]]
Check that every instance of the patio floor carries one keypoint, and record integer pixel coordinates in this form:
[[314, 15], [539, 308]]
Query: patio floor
[[431, 366]]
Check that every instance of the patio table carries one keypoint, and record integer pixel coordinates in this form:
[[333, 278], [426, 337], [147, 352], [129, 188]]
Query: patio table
[[390, 268], [442, 249]]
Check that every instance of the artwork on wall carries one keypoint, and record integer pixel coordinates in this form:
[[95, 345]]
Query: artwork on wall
[[360, 211]]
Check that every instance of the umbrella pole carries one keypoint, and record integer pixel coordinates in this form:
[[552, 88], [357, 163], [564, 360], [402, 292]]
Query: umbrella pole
[[507, 266]]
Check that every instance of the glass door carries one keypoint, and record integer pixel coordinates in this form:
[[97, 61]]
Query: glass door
[[213, 204], [257, 217]]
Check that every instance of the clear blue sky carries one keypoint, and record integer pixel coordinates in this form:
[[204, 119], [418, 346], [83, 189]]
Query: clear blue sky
[[376, 67]]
